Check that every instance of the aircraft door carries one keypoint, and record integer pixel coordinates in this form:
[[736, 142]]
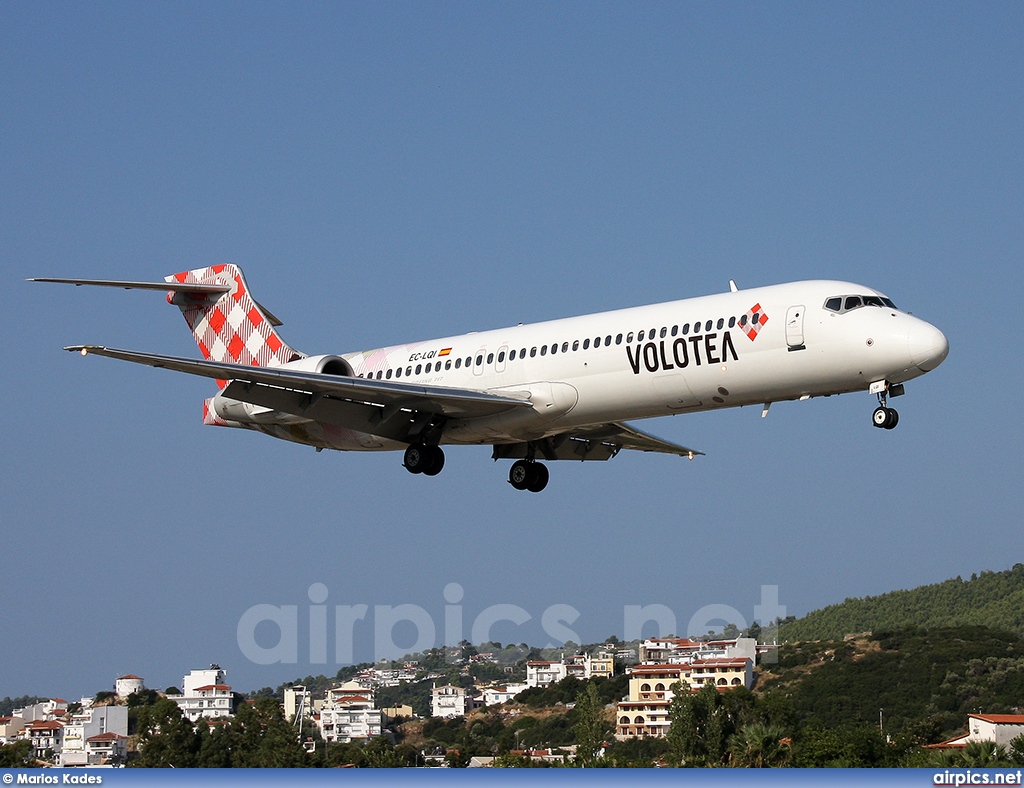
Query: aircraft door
[[795, 328], [499, 363]]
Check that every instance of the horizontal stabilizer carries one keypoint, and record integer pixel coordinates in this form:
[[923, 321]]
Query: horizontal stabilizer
[[177, 287]]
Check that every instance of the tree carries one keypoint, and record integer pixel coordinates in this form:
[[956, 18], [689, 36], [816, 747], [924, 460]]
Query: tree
[[19, 754], [166, 737], [591, 725], [699, 726], [760, 746]]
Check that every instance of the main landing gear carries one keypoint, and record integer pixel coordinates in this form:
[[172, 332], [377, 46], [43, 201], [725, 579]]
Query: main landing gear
[[428, 460], [528, 475]]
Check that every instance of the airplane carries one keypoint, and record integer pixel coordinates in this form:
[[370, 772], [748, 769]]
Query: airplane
[[557, 390]]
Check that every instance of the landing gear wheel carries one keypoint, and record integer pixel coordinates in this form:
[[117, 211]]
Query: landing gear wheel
[[420, 459], [539, 478], [526, 475], [436, 461], [886, 418], [519, 474]]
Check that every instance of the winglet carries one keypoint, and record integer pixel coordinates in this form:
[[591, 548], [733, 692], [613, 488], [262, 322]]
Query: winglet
[[732, 286]]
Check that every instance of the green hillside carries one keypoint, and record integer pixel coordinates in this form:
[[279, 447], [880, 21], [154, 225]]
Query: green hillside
[[924, 681], [991, 599]]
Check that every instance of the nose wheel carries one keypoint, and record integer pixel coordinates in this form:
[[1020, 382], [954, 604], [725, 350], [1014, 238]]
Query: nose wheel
[[527, 475], [884, 417]]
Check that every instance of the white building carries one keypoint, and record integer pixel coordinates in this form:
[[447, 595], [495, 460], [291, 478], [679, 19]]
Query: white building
[[88, 724], [126, 685], [348, 713], [204, 694], [297, 699], [998, 728], [10, 727], [449, 701], [495, 695], [541, 674]]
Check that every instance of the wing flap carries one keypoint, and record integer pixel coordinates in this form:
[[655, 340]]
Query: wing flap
[[593, 442]]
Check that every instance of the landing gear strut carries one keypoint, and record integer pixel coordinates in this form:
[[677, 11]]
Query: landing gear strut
[[428, 460], [885, 417], [528, 475]]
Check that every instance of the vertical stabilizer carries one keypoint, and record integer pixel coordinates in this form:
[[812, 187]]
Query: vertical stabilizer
[[229, 326]]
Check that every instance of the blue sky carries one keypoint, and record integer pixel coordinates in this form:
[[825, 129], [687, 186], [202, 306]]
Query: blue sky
[[394, 171]]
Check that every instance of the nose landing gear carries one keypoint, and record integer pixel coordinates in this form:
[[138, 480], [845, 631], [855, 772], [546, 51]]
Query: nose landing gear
[[885, 417]]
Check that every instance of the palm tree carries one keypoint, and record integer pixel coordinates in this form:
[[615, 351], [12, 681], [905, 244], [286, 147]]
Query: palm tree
[[760, 745]]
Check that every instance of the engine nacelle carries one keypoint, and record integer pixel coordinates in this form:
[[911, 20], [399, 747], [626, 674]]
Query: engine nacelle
[[324, 365], [247, 413]]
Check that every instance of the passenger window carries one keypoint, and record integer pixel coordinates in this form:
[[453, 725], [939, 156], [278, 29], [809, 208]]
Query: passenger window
[[554, 349], [640, 336], [458, 363], [490, 358], [721, 323], [834, 304], [448, 364], [852, 302], [707, 326], [398, 372], [533, 352], [675, 330], [586, 344], [480, 359], [408, 371], [543, 350], [608, 341], [380, 374], [664, 332], [418, 367], [686, 329], [388, 374], [575, 345], [597, 341], [565, 347], [501, 356], [629, 337], [732, 322]]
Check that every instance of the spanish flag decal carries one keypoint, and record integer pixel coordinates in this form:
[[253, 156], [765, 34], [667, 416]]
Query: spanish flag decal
[[445, 352]]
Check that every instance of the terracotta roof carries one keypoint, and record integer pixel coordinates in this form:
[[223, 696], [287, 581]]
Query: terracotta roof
[[720, 662], [1001, 719], [49, 725], [129, 676], [212, 687], [110, 736]]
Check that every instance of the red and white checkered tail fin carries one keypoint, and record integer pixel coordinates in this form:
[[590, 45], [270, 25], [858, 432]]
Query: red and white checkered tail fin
[[229, 326]]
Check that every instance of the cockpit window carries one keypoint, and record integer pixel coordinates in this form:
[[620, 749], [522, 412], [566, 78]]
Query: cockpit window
[[841, 304]]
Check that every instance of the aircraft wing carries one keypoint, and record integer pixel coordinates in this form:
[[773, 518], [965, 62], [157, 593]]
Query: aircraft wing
[[358, 403], [594, 442]]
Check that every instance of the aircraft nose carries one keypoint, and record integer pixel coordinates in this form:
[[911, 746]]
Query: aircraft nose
[[928, 346]]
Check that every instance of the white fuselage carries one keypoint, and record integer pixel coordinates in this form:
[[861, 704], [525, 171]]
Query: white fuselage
[[681, 356]]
